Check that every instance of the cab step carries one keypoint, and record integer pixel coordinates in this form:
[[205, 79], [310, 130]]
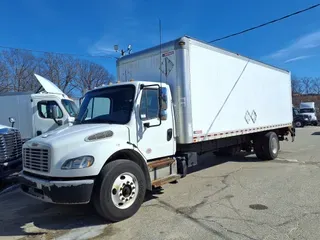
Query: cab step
[[163, 171], [160, 163], [165, 180]]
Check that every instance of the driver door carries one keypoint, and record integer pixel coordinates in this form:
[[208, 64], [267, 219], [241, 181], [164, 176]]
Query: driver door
[[157, 140], [43, 116]]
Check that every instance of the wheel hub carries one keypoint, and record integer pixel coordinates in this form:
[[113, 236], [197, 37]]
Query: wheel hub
[[274, 145], [124, 190]]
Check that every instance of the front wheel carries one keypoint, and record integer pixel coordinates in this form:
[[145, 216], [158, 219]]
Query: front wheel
[[299, 124], [120, 190]]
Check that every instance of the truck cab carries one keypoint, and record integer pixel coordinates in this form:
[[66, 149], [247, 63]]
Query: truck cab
[[115, 123], [309, 109], [10, 151], [34, 111]]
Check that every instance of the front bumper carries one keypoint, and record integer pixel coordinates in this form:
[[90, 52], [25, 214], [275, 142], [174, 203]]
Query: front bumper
[[8, 168], [59, 192]]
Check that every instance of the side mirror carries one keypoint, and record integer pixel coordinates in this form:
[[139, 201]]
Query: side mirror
[[163, 115], [55, 115], [164, 98], [54, 112], [12, 121]]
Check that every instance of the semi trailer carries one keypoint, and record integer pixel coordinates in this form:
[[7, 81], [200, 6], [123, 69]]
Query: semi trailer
[[172, 103]]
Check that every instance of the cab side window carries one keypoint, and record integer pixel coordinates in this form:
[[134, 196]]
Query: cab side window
[[149, 105], [45, 109]]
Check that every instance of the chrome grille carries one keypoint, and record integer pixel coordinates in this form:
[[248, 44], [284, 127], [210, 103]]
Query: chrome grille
[[10, 145], [36, 159]]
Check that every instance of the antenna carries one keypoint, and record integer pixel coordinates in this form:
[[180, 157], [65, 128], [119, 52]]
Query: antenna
[[160, 35]]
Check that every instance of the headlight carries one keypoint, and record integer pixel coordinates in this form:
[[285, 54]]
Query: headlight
[[78, 163]]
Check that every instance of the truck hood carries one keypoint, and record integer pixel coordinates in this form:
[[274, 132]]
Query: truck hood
[[47, 85], [2, 126], [72, 134]]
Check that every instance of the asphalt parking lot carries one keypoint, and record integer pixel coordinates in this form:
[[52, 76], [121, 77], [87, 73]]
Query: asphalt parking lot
[[235, 198]]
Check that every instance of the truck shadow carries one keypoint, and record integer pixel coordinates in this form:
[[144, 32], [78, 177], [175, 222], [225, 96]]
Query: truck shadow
[[24, 216], [316, 133]]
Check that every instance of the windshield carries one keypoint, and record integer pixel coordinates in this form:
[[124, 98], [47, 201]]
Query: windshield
[[107, 105], [295, 112], [70, 107], [307, 110]]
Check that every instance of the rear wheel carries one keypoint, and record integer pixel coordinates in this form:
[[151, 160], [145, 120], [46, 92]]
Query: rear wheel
[[267, 146], [120, 190]]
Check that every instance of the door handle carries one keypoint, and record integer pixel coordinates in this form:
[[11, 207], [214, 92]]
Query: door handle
[[169, 134]]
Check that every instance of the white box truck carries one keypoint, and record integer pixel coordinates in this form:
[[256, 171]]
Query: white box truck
[[309, 109], [33, 111], [135, 135]]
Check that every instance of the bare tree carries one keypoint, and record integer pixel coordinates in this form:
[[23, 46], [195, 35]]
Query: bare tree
[[17, 70], [20, 66], [60, 69], [316, 85], [91, 75], [296, 85], [4, 77], [307, 85]]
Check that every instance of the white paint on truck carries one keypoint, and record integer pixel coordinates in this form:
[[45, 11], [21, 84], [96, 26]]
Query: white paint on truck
[[309, 109], [134, 135], [201, 77], [33, 111]]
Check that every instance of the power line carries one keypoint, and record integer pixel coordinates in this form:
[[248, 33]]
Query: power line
[[70, 54], [265, 24]]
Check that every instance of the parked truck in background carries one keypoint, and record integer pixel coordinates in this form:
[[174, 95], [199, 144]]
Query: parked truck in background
[[299, 120], [33, 112], [309, 109], [135, 135], [10, 151]]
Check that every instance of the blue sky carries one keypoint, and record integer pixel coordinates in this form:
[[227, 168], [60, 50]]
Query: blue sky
[[93, 27]]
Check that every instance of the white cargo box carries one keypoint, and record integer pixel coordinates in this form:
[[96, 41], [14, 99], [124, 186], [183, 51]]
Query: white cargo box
[[216, 93]]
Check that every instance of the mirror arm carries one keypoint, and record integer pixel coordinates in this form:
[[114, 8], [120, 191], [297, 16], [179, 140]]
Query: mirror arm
[[59, 123]]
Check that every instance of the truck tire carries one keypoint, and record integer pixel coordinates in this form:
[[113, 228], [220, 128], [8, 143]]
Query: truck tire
[[299, 124], [267, 146], [120, 190]]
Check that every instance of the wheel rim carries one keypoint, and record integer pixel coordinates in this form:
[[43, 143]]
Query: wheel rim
[[298, 124], [274, 145], [124, 190]]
